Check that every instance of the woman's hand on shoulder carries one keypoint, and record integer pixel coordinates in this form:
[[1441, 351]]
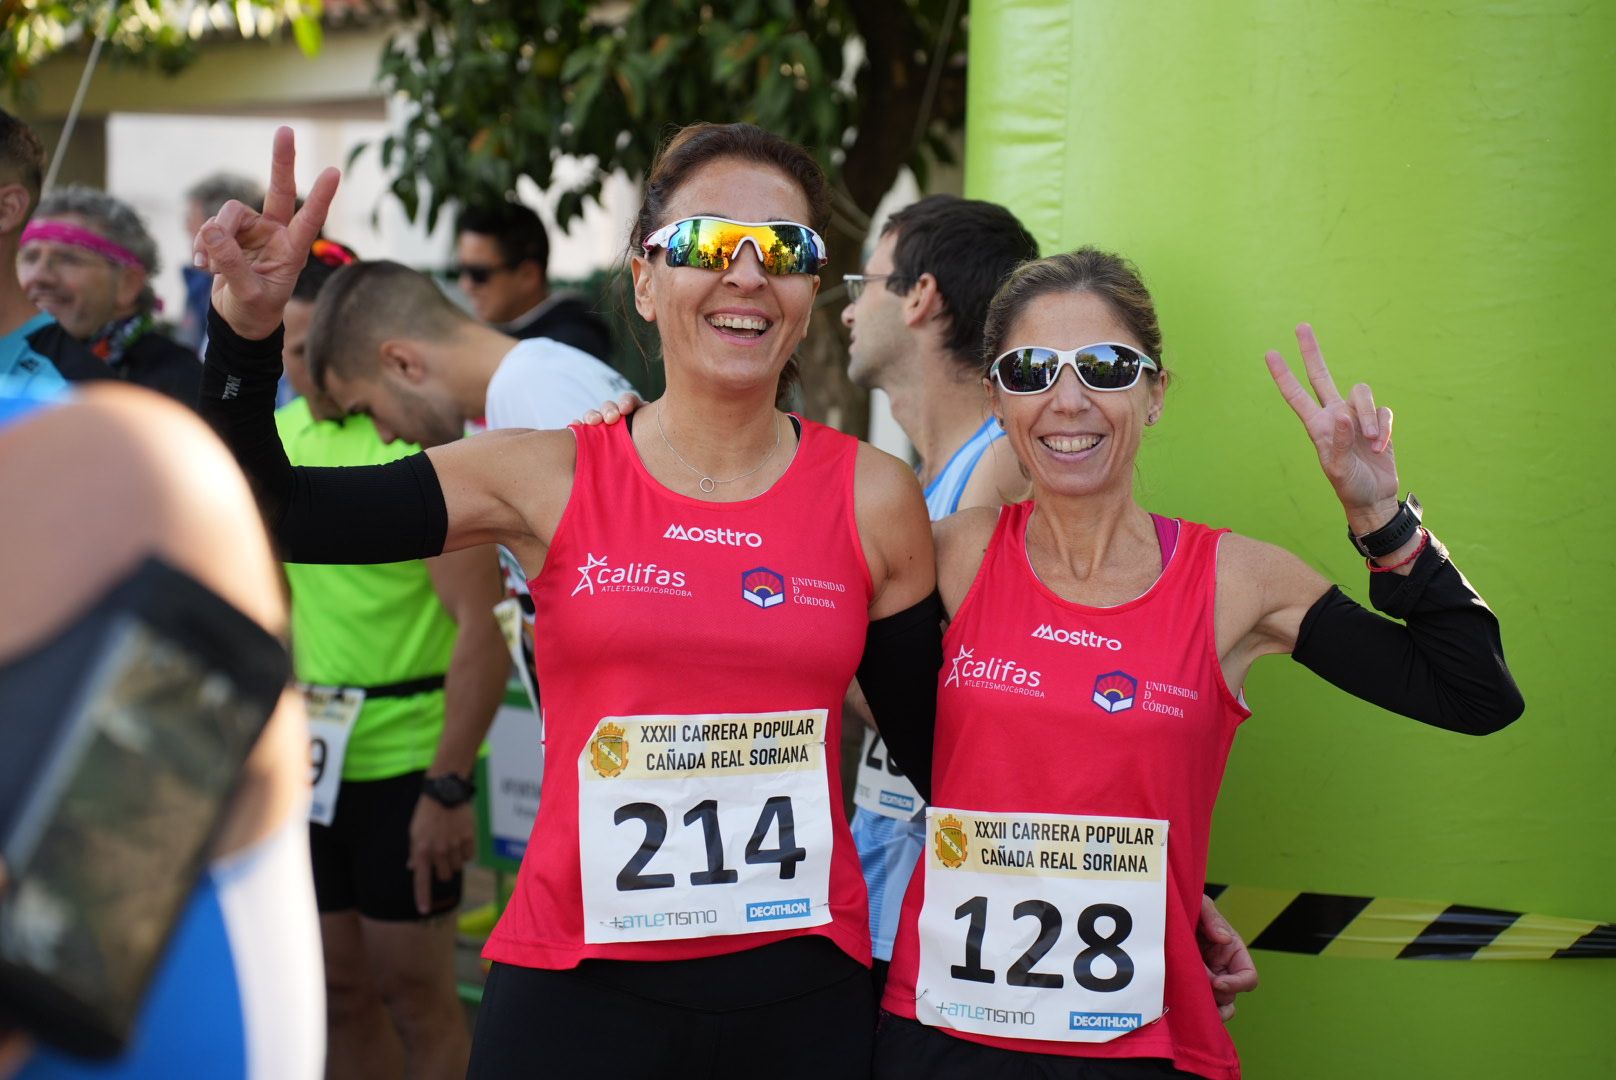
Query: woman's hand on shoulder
[[962, 540], [1353, 437], [508, 487], [895, 532], [1263, 592], [610, 412]]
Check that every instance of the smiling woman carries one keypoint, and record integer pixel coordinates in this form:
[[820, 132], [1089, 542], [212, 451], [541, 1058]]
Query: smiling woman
[[690, 875], [1133, 705]]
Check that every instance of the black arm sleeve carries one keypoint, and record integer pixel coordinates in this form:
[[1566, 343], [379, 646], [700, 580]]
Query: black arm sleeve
[[898, 674], [1444, 666], [366, 514]]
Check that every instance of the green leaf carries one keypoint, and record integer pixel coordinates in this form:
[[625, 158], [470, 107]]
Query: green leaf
[[309, 33]]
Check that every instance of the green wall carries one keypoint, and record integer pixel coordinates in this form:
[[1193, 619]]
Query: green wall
[[1431, 185]]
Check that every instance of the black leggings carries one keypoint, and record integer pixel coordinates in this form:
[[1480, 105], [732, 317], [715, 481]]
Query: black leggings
[[796, 1008], [909, 1050]]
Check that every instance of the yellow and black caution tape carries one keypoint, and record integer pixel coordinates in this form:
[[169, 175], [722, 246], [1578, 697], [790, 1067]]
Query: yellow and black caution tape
[[1367, 927]]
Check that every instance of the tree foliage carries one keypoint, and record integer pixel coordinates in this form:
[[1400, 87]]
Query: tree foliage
[[161, 34], [504, 88]]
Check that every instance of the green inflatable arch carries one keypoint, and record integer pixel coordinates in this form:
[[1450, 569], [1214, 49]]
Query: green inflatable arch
[[1431, 185]]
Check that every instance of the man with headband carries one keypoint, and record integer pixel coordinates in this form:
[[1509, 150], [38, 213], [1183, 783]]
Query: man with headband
[[36, 355], [88, 260]]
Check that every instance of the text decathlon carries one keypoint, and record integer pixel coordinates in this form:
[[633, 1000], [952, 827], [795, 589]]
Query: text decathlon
[[963, 1011], [778, 909], [1082, 639], [725, 537], [1085, 1021], [896, 801]]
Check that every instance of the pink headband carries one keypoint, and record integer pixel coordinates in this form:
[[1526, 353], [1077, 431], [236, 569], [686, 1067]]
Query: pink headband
[[60, 232]]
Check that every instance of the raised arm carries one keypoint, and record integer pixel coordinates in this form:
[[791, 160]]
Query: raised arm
[[1444, 664], [413, 508]]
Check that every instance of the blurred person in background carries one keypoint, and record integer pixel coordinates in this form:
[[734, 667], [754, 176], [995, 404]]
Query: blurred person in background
[[202, 201], [502, 256], [405, 667], [36, 354], [88, 260]]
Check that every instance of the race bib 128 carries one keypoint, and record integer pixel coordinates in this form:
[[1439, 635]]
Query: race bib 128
[[1042, 926], [702, 825]]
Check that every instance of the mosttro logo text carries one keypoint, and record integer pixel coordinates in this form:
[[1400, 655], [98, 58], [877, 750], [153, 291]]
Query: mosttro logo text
[[722, 537], [1083, 639]]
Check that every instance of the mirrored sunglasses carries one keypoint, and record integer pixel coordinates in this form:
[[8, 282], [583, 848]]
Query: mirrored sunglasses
[[709, 243]]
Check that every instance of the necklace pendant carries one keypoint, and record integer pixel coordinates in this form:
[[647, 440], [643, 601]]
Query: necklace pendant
[[708, 485]]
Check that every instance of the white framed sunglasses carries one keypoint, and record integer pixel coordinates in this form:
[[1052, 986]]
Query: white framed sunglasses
[[1103, 366]]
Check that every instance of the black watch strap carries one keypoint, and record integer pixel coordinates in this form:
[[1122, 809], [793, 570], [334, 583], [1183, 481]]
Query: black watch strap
[[1392, 535], [449, 789]]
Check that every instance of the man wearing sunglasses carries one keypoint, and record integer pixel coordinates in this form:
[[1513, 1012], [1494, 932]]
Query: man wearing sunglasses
[[916, 317], [502, 255]]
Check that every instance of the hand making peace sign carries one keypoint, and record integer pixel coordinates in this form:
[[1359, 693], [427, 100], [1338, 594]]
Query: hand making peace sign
[[1352, 436], [256, 257]]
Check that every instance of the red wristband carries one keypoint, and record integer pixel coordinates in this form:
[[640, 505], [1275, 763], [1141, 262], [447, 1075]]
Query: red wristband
[[1425, 538]]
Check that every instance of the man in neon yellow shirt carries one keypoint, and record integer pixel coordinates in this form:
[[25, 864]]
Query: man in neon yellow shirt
[[406, 668]]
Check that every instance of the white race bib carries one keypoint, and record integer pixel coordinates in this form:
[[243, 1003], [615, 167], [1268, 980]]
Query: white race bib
[[697, 826], [332, 711], [881, 787], [1042, 926]]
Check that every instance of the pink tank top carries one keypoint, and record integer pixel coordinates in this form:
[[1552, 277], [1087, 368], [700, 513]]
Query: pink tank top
[[693, 658], [1075, 745]]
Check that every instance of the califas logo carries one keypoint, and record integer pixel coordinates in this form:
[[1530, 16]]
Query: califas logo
[[1114, 691], [763, 587], [597, 572], [994, 673], [724, 537], [1083, 639]]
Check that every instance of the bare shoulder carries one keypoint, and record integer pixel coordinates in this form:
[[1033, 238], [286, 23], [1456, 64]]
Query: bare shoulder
[[962, 540], [892, 526], [881, 479], [997, 478]]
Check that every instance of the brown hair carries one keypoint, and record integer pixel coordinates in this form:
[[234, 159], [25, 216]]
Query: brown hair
[[366, 303], [22, 157], [1110, 277], [697, 145]]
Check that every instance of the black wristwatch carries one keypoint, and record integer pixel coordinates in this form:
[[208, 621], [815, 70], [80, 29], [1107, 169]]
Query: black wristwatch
[[449, 789], [1392, 535]]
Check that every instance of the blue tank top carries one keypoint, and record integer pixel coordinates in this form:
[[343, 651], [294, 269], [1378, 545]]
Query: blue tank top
[[944, 492]]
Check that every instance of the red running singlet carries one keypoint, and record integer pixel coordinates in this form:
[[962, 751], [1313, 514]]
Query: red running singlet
[[693, 658], [1076, 746]]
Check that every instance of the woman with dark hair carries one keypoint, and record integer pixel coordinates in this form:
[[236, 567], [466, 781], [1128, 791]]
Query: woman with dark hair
[[690, 902], [1094, 666]]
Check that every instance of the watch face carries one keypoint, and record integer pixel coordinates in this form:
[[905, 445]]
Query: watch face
[[450, 790]]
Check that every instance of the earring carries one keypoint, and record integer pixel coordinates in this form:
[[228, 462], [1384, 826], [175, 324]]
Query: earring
[[1000, 420], [1152, 418]]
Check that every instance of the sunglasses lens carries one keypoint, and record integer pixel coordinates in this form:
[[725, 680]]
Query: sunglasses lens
[[709, 244], [1108, 367], [1027, 371]]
